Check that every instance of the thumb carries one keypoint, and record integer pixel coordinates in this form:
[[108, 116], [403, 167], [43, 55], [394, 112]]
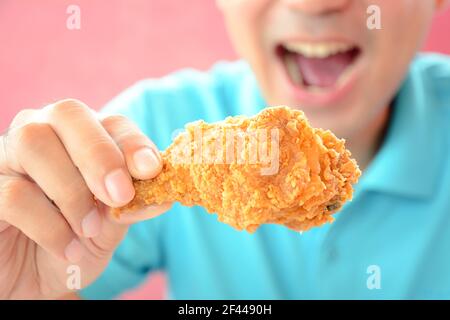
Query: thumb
[[115, 227], [145, 213]]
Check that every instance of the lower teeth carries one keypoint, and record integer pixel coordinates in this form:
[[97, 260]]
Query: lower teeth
[[292, 69]]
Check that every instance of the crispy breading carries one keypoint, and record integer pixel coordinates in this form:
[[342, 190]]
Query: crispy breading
[[297, 175]]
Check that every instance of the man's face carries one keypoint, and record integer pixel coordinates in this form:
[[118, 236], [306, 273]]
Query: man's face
[[319, 55]]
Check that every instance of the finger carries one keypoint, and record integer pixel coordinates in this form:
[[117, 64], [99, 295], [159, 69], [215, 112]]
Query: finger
[[93, 151], [41, 155], [7, 165], [146, 213], [141, 155], [3, 154], [3, 226], [114, 230], [24, 206], [112, 233]]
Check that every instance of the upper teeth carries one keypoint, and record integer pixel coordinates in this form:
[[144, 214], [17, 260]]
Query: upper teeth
[[318, 50]]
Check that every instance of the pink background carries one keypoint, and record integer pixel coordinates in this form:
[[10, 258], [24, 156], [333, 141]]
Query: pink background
[[119, 43]]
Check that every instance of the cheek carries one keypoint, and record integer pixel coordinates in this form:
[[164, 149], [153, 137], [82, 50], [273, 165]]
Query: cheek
[[405, 24], [391, 49], [389, 53], [243, 19]]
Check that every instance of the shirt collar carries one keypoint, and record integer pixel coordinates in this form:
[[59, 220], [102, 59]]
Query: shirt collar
[[407, 163]]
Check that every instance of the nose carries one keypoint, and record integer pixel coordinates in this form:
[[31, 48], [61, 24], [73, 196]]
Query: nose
[[316, 7]]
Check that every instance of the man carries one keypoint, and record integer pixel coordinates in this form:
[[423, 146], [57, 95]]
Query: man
[[367, 86]]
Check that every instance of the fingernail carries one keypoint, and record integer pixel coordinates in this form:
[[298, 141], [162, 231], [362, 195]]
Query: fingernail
[[146, 161], [74, 251], [91, 224], [119, 187]]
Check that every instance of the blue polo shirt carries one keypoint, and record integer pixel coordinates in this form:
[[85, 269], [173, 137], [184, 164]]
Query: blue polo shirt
[[392, 241]]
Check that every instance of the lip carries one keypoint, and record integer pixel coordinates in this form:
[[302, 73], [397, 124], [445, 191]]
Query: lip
[[325, 97]]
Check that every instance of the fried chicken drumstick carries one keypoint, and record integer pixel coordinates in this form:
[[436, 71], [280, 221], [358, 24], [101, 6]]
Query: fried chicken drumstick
[[269, 168]]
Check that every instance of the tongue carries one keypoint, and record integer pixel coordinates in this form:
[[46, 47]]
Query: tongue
[[324, 72]]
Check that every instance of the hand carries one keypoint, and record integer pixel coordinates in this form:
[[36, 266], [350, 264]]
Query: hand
[[61, 169]]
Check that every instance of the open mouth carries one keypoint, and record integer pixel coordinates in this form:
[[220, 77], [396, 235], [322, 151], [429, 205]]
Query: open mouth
[[318, 66]]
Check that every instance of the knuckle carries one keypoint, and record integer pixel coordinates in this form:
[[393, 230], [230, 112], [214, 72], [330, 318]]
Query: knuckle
[[100, 150], [114, 121], [12, 192], [119, 126], [22, 116], [124, 131], [68, 107], [76, 195], [32, 136]]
